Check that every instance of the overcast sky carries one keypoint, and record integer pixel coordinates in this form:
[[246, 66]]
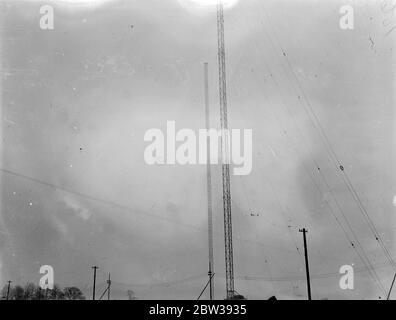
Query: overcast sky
[[77, 100]]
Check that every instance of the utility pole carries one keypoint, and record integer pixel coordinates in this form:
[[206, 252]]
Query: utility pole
[[209, 185], [94, 282], [390, 290], [108, 288], [304, 231], [8, 288]]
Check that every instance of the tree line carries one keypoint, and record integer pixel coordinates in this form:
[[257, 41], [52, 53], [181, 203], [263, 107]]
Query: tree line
[[32, 291]]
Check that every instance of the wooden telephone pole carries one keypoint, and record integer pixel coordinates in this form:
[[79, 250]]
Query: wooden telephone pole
[[304, 232], [94, 282], [8, 289]]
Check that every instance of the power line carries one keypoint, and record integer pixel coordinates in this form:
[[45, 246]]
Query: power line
[[160, 284], [333, 156], [317, 276], [331, 192], [140, 213]]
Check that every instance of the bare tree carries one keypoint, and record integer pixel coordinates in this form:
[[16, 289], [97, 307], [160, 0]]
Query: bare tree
[[131, 295], [18, 293], [35, 292], [73, 293], [30, 291], [56, 293], [3, 292]]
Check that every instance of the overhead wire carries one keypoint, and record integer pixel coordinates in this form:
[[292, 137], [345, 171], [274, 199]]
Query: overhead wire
[[368, 261], [330, 150]]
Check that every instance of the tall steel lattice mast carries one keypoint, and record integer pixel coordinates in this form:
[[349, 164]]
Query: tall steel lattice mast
[[229, 263]]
